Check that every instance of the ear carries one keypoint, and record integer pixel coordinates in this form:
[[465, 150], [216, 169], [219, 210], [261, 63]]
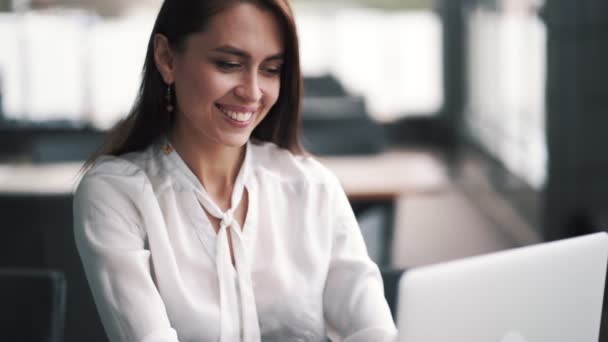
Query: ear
[[164, 58]]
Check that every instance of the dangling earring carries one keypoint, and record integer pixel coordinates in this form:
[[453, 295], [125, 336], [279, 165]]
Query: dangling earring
[[169, 99]]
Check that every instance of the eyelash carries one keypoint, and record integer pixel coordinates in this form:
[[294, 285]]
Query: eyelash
[[227, 65], [273, 71], [230, 66]]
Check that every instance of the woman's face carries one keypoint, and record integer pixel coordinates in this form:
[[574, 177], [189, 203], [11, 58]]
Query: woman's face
[[228, 77]]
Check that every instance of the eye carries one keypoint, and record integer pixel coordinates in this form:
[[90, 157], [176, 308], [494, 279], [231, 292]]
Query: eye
[[227, 66], [272, 70]]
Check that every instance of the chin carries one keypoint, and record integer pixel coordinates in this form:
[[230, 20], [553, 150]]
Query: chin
[[235, 141]]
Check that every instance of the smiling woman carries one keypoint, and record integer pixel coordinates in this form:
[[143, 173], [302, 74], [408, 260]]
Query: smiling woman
[[191, 32], [226, 78], [201, 219]]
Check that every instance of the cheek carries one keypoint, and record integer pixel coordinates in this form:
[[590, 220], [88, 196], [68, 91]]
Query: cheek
[[271, 90], [202, 87]]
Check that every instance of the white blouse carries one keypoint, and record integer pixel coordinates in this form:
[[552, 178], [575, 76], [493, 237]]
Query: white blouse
[[159, 271]]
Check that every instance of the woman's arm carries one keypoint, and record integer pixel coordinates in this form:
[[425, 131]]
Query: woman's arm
[[114, 254], [354, 300]]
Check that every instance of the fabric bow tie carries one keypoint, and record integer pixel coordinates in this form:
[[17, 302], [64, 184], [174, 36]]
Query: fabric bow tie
[[229, 302]]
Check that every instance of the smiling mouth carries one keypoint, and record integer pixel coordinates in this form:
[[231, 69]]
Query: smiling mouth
[[235, 115]]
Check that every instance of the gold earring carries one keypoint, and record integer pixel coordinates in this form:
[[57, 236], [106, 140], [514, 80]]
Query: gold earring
[[169, 99]]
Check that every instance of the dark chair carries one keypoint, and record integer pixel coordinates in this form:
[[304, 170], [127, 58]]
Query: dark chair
[[37, 234], [391, 277], [340, 125], [32, 305], [325, 85]]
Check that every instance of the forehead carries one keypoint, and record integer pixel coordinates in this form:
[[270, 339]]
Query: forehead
[[244, 26]]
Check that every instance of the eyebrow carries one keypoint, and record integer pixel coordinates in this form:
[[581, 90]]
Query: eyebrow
[[231, 50]]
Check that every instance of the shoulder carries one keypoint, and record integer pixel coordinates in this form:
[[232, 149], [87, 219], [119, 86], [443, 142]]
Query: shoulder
[[111, 175], [112, 189], [113, 169], [273, 161], [109, 197]]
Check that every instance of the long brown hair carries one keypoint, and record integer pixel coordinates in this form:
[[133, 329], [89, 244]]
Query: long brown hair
[[176, 20]]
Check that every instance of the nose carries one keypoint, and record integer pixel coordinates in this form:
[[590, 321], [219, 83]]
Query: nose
[[249, 89]]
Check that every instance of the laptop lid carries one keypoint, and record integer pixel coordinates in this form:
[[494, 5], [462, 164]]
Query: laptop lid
[[550, 292]]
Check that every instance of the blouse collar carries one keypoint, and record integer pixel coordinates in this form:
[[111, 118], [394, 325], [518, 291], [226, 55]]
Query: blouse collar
[[192, 182]]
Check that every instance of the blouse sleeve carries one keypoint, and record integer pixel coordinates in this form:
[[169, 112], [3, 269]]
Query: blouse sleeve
[[354, 300], [114, 254]]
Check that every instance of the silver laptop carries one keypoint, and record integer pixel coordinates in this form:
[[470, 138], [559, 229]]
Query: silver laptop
[[550, 292]]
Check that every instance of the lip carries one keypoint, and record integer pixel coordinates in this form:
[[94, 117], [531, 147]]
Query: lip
[[234, 123], [235, 108]]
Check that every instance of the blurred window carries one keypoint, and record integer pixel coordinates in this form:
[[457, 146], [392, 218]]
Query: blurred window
[[73, 65], [505, 108], [392, 57]]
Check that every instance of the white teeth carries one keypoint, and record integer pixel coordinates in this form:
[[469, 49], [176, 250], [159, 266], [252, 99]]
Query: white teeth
[[238, 116]]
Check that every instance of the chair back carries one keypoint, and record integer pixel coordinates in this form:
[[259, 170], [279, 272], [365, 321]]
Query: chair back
[[32, 305], [391, 277]]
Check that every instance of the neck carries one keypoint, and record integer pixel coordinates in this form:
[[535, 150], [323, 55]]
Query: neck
[[215, 165]]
